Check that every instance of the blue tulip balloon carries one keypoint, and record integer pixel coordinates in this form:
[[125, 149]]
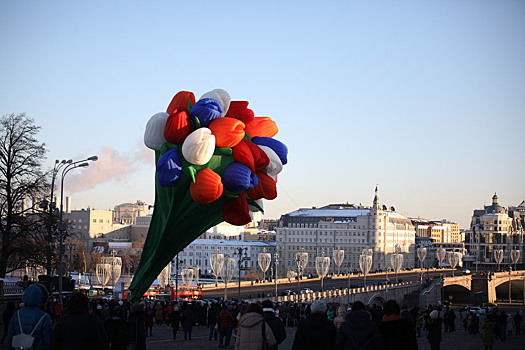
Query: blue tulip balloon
[[169, 168]]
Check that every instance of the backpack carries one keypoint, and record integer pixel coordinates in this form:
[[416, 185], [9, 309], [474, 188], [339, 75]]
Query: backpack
[[22, 340]]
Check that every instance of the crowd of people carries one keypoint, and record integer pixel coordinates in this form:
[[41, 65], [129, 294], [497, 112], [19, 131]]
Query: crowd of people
[[83, 323]]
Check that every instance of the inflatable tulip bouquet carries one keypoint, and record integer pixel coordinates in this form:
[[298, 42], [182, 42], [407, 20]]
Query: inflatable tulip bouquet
[[222, 150]]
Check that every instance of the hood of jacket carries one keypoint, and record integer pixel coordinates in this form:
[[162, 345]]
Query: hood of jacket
[[34, 296], [250, 319], [358, 319]]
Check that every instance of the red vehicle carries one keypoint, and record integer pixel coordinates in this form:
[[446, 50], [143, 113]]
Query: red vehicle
[[186, 292]]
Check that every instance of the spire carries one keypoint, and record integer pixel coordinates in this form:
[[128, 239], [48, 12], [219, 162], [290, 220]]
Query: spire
[[495, 199], [376, 205]]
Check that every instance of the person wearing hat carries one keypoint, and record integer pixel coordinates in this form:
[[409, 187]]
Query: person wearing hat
[[434, 330], [175, 317], [32, 316], [275, 323], [315, 331]]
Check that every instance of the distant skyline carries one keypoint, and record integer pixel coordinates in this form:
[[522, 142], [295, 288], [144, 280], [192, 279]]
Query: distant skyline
[[424, 99]]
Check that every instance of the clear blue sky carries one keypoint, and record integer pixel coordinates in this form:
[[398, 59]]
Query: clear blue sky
[[424, 98]]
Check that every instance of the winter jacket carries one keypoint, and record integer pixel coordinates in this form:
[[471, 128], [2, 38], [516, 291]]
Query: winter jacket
[[277, 326], [398, 333], [359, 332], [315, 332], [225, 319], [78, 332], [250, 333], [118, 332], [137, 327], [489, 331], [187, 319], [213, 314], [34, 298], [434, 330]]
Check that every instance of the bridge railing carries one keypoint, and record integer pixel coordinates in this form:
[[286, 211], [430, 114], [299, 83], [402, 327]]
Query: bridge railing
[[336, 293]]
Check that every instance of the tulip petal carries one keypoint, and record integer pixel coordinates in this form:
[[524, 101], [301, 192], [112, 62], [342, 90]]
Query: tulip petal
[[199, 146], [154, 133]]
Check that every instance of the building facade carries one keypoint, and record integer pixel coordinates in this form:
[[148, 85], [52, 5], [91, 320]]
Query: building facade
[[442, 231], [199, 251], [495, 228], [347, 227]]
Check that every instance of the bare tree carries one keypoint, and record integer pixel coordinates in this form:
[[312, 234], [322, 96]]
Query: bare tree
[[22, 180]]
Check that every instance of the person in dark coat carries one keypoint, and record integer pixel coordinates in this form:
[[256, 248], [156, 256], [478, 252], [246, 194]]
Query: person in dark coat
[[434, 330], [517, 322], [358, 331], [213, 316], [315, 331], [32, 316], [6, 316], [187, 320], [79, 329], [137, 325], [225, 327], [174, 317], [275, 323], [397, 332], [118, 330]]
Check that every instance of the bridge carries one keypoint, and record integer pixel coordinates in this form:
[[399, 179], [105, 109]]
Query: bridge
[[407, 292], [491, 284]]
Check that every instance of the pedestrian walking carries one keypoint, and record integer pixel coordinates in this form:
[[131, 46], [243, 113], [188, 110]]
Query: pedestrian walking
[[187, 320], [488, 331], [213, 316], [517, 322], [358, 330], [315, 331], [276, 323], [159, 314], [253, 333], [137, 324], [32, 318], [434, 330], [79, 329], [174, 318], [117, 330], [398, 332], [225, 327]]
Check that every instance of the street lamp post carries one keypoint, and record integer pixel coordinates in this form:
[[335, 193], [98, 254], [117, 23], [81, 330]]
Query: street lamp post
[[51, 205], [228, 271], [301, 259], [242, 257], [216, 263], [264, 259], [498, 256], [322, 264], [365, 262], [339, 256], [421, 255], [62, 227], [276, 263]]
